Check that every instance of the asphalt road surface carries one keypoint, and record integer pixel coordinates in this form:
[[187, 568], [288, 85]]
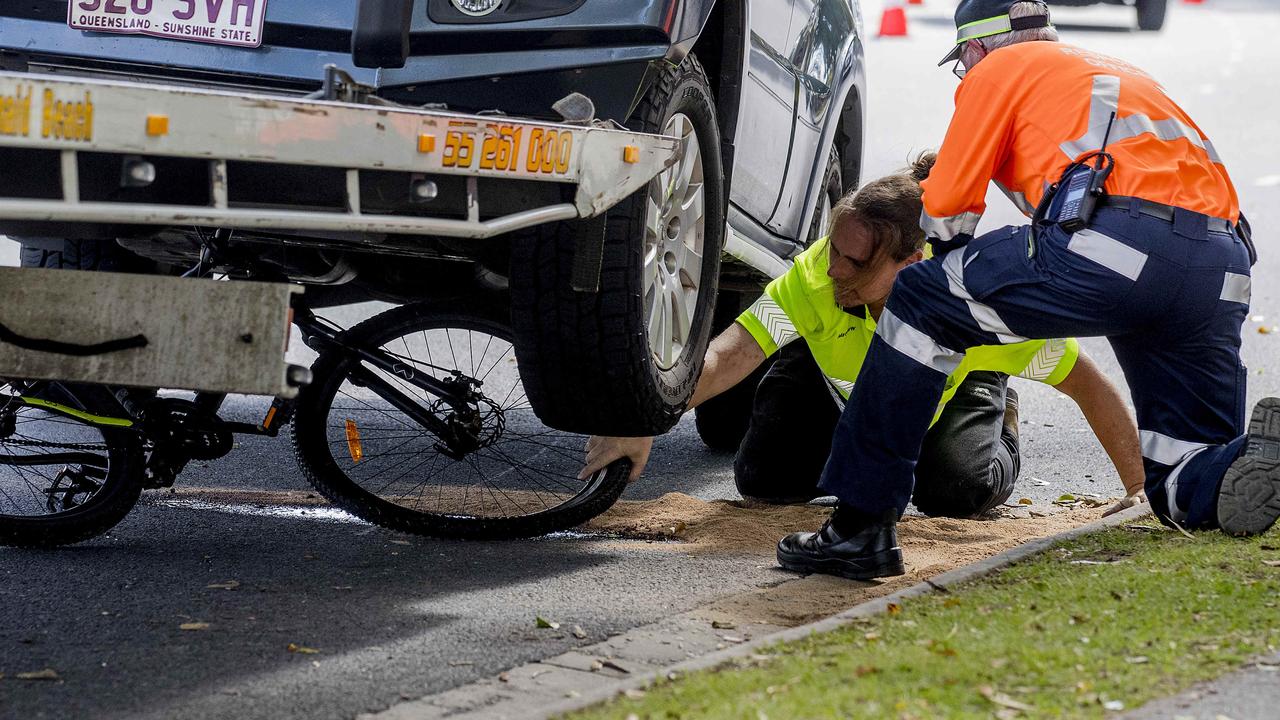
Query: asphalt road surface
[[396, 617]]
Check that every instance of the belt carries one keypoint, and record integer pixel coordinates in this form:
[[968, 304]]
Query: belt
[[1159, 210]]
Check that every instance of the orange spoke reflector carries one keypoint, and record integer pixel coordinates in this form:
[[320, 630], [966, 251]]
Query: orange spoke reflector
[[353, 442]]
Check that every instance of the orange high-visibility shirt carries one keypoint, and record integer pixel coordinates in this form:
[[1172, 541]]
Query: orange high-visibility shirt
[[1027, 111]]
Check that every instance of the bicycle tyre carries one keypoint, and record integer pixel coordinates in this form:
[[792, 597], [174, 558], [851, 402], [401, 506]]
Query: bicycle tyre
[[312, 445], [109, 505]]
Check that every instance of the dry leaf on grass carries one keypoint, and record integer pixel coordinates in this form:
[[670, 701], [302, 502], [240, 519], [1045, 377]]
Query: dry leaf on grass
[[301, 649], [194, 626], [45, 674], [999, 698]]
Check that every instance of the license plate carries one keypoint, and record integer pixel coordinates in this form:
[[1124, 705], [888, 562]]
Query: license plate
[[222, 22]]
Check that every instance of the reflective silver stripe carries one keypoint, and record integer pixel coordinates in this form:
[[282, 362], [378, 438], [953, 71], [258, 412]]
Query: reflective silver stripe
[[1018, 199], [1108, 252], [946, 228], [983, 28], [1106, 100], [1171, 487], [1165, 450], [775, 320], [842, 387], [1236, 288], [1045, 360], [916, 345], [984, 315]]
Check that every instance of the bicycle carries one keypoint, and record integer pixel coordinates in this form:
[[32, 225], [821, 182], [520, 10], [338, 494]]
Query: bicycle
[[441, 445]]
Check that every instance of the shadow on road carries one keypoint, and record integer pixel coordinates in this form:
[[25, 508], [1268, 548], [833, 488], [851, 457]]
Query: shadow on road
[[107, 616]]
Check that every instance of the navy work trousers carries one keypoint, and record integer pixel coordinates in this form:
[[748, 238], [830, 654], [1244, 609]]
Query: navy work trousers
[[1170, 296]]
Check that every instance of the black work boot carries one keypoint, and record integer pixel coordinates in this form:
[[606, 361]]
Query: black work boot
[[1249, 499], [867, 550]]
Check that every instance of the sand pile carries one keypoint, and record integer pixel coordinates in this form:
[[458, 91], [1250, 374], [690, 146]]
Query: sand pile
[[930, 546]]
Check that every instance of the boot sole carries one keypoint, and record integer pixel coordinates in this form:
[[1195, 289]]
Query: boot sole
[[887, 563], [1249, 500]]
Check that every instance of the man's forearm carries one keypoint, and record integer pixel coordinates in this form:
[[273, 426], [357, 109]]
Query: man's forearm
[[731, 357], [1104, 408]]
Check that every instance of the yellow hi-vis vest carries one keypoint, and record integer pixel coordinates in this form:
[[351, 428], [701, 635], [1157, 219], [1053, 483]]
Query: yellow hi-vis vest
[[802, 304]]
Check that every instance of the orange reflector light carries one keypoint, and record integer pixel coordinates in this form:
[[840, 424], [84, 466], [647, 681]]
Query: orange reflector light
[[271, 415], [353, 442], [157, 125], [426, 143], [631, 154]]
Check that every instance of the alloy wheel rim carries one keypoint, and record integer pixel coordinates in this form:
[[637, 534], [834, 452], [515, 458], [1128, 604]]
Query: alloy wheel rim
[[675, 224]]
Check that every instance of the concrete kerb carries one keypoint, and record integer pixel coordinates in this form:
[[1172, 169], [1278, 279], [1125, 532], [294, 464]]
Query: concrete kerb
[[547, 702]]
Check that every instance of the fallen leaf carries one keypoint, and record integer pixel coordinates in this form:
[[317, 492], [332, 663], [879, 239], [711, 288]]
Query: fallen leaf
[[228, 585], [194, 626], [999, 698], [1025, 501], [503, 677], [545, 624], [301, 649], [1038, 482], [579, 633], [872, 636], [45, 674], [723, 625], [894, 608]]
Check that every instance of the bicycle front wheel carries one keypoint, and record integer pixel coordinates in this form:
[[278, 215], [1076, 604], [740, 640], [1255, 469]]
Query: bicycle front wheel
[[511, 477], [63, 478]]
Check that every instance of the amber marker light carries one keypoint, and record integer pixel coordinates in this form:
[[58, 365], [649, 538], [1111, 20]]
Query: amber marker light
[[157, 125], [426, 143], [631, 154]]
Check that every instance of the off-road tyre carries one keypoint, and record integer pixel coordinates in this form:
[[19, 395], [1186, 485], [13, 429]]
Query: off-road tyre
[[311, 445], [120, 489], [585, 356], [832, 191], [1151, 14]]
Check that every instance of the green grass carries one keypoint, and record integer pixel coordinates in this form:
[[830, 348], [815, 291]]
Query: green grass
[[1125, 615]]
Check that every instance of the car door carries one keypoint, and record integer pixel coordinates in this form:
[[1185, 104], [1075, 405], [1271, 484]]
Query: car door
[[763, 137], [820, 30]]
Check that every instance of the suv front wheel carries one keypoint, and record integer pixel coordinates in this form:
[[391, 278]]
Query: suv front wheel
[[624, 360]]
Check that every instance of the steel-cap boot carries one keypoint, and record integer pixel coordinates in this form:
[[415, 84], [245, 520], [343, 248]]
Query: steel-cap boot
[[1249, 499], [867, 553]]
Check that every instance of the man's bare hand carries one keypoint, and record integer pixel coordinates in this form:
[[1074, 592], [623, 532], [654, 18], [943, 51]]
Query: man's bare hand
[[1135, 499], [603, 450]]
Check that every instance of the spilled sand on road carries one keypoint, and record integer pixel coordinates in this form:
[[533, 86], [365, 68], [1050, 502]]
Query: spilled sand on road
[[930, 546]]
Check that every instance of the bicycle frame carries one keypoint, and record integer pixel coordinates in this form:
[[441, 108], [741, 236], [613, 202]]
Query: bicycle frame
[[317, 335]]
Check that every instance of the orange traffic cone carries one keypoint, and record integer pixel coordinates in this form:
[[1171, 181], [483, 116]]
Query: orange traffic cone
[[915, 2], [1192, 2], [893, 21]]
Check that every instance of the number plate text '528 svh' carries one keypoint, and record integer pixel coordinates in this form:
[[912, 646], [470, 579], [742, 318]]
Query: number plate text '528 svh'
[[223, 22]]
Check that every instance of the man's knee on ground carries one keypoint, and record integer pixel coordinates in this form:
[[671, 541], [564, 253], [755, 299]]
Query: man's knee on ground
[[771, 483], [949, 489]]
